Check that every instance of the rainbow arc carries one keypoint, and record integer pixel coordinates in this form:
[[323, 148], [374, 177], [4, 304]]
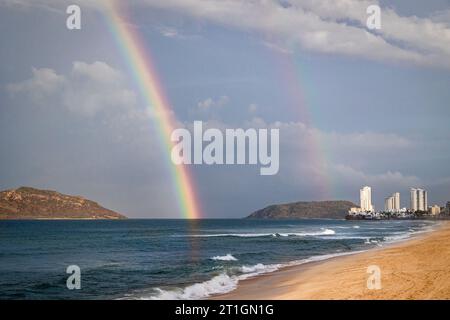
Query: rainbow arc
[[139, 60]]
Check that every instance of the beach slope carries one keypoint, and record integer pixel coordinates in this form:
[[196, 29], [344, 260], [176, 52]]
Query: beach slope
[[414, 269]]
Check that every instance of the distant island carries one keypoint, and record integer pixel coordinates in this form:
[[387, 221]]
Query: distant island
[[300, 210], [30, 203]]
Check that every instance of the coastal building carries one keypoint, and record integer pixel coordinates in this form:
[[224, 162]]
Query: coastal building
[[419, 199], [413, 194], [434, 210], [392, 203], [365, 195], [354, 210], [389, 204], [396, 196]]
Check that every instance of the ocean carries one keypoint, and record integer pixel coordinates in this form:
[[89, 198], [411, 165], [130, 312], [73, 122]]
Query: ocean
[[172, 259]]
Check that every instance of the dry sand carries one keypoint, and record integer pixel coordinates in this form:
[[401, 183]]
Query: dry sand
[[415, 269]]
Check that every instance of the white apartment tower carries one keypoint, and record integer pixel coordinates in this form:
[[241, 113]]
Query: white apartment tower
[[389, 204], [396, 196], [414, 203], [419, 200], [365, 195], [392, 203]]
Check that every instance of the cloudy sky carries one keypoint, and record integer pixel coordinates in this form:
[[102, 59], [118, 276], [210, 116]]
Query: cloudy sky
[[354, 106]]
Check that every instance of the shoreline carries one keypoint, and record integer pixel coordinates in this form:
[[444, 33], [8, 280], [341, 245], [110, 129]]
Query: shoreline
[[413, 268]]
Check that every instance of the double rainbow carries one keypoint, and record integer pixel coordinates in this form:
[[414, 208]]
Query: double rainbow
[[140, 62]]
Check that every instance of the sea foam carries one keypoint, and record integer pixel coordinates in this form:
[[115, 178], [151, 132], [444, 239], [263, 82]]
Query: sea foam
[[322, 232], [227, 257], [225, 282], [219, 284]]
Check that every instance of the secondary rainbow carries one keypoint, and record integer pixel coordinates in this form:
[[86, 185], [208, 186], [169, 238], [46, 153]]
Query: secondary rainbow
[[293, 71], [140, 62]]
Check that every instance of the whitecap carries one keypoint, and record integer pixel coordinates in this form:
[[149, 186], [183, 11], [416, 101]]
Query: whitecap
[[322, 232], [219, 284], [227, 257]]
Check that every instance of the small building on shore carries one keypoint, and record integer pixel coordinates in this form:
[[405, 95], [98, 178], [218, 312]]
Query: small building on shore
[[434, 210], [355, 210]]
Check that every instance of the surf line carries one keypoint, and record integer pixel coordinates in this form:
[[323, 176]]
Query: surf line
[[236, 146]]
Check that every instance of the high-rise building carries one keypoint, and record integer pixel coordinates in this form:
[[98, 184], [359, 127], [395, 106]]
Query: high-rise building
[[419, 200], [414, 205], [389, 204], [396, 196], [365, 195], [392, 203]]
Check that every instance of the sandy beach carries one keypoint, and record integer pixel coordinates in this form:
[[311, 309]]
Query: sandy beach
[[415, 269]]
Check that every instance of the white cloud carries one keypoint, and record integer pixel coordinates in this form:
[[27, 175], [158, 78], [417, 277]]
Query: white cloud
[[117, 152], [352, 176], [169, 32], [205, 104], [176, 33], [442, 17], [367, 140], [280, 48], [252, 108], [209, 103], [98, 71], [430, 36], [309, 154], [328, 26], [353, 142], [87, 90], [44, 83]]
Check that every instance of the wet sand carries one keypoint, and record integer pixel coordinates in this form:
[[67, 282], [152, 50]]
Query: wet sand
[[415, 269]]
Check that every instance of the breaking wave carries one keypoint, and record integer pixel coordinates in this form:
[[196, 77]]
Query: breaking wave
[[227, 257], [227, 281], [323, 232], [222, 283]]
